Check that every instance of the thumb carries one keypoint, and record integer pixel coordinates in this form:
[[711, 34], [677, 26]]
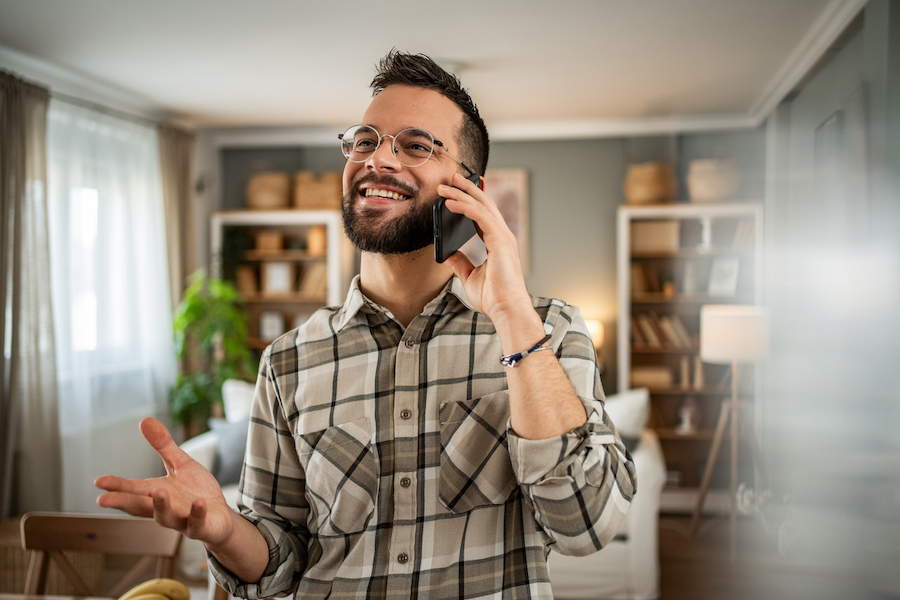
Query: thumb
[[162, 443]]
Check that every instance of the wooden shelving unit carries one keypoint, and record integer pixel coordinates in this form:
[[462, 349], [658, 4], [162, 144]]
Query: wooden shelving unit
[[671, 260], [231, 240]]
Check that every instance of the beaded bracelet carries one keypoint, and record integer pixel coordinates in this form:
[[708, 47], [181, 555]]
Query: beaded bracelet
[[510, 360]]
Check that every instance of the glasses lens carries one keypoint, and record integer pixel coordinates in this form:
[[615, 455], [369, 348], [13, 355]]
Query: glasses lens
[[413, 147], [359, 142]]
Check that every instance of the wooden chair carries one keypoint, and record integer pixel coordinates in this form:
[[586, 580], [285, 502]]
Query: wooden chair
[[49, 534]]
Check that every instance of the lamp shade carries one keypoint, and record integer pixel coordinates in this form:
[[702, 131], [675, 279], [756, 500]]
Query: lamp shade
[[732, 333]]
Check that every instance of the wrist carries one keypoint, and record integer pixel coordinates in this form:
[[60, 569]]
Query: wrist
[[519, 332]]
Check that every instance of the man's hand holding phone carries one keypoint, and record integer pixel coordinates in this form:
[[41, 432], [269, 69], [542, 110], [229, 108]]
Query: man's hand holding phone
[[451, 230], [496, 287]]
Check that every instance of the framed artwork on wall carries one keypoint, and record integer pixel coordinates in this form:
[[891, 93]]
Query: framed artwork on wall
[[509, 189]]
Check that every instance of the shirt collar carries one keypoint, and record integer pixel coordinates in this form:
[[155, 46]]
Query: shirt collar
[[356, 302]]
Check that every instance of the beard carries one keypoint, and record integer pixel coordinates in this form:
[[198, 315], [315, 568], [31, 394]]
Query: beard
[[371, 230]]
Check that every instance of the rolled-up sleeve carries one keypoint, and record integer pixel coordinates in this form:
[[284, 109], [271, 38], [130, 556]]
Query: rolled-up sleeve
[[580, 485], [271, 495]]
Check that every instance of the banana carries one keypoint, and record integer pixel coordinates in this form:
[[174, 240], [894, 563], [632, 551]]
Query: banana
[[151, 596], [158, 589]]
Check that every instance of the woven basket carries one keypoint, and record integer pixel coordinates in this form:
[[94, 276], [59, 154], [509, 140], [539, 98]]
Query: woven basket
[[650, 183], [267, 191], [269, 241], [317, 192]]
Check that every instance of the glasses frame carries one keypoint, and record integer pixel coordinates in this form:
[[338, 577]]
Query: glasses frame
[[395, 151]]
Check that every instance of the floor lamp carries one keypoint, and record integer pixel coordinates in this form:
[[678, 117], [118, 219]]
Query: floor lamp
[[730, 334]]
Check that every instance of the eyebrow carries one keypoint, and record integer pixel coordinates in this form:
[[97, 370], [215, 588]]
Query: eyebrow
[[413, 127]]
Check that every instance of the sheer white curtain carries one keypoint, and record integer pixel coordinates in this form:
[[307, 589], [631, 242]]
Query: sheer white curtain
[[110, 294]]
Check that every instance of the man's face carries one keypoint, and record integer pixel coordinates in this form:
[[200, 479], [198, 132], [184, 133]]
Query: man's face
[[387, 206]]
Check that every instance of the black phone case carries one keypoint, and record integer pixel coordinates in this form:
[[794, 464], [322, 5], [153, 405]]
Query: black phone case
[[451, 230]]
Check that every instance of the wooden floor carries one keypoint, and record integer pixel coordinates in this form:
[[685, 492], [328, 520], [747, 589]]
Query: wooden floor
[[702, 569]]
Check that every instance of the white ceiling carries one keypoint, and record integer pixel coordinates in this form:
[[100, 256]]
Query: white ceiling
[[536, 68]]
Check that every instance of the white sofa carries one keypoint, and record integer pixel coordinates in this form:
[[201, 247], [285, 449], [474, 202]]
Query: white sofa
[[627, 569]]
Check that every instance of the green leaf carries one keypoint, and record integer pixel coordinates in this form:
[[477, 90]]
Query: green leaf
[[211, 337]]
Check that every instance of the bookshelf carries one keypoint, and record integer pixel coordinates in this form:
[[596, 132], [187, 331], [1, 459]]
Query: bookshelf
[[671, 260], [286, 263]]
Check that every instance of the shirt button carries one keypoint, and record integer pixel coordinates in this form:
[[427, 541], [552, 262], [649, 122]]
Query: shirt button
[[405, 482], [410, 343], [403, 558], [405, 414]]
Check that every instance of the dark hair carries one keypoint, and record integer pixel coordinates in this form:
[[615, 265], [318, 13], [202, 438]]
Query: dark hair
[[418, 70]]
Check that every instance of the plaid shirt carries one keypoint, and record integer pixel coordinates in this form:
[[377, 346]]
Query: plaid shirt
[[380, 462]]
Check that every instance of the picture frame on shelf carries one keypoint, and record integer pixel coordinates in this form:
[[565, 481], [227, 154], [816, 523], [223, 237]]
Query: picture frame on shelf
[[278, 278], [271, 325], [723, 276]]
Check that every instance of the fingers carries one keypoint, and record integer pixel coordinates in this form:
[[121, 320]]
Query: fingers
[[478, 194], [131, 496], [468, 199], [461, 266], [134, 505], [112, 483], [196, 521], [162, 443]]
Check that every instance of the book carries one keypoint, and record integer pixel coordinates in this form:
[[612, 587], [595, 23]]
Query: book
[[648, 332], [315, 279], [665, 322], [638, 283], [651, 277], [681, 331], [665, 339], [636, 338]]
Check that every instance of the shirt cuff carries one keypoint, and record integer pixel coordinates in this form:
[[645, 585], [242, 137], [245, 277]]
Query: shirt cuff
[[266, 586], [563, 458]]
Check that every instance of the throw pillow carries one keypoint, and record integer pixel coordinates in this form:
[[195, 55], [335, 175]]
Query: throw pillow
[[237, 396], [629, 411], [231, 443]]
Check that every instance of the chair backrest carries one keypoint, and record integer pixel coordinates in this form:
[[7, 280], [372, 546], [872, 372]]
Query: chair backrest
[[49, 534]]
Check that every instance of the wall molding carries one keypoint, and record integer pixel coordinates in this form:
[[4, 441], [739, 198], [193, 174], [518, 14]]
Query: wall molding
[[81, 86]]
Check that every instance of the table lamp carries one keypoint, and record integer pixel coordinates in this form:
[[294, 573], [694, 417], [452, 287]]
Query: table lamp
[[595, 328], [730, 334]]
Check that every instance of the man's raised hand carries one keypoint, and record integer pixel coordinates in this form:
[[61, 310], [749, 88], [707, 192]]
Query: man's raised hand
[[188, 499]]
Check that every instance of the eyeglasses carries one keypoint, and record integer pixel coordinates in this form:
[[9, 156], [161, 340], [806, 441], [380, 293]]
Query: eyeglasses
[[412, 147]]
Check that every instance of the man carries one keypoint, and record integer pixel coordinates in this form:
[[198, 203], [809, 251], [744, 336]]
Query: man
[[390, 452]]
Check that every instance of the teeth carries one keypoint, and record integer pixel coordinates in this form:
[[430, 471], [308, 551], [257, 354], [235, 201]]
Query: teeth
[[374, 193]]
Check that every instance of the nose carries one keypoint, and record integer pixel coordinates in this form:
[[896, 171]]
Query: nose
[[384, 158]]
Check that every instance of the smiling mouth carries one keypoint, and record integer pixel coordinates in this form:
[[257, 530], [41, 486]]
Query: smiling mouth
[[386, 194]]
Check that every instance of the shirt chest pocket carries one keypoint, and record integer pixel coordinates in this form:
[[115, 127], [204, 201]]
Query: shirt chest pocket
[[475, 464], [341, 477]]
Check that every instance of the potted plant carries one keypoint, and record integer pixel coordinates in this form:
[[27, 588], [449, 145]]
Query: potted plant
[[211, 343]]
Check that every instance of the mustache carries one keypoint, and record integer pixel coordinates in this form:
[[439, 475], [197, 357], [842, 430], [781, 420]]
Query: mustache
[[388, 180]]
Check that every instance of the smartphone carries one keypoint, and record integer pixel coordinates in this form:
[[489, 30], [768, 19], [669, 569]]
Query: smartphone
[[451, 230]]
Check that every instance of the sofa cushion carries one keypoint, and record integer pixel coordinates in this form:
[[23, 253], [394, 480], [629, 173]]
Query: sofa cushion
[[231, 442], [237, 396], [629, 411]]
